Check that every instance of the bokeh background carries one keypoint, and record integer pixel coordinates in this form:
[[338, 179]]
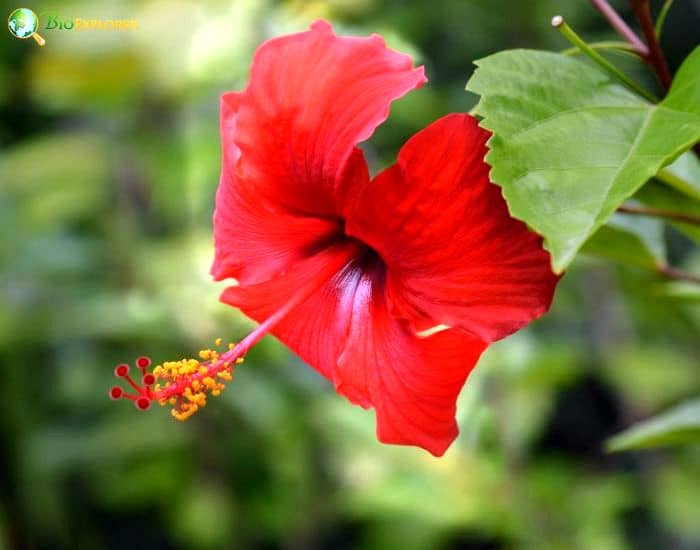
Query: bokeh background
[[108, 166]]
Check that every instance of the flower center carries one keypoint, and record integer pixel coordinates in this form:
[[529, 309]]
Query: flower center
[[186, 383]]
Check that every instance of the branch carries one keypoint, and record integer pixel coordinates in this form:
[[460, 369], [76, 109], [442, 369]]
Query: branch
[[678, 275], [659, 213], [621, 27], [656, 57]]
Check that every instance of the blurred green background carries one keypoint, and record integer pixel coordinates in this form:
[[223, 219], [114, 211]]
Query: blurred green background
[[108, 166]]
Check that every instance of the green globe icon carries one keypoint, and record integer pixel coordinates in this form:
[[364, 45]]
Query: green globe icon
[[23, 23]]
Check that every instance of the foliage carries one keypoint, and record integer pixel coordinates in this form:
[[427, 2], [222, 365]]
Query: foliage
[[679, 425], [570, 144]]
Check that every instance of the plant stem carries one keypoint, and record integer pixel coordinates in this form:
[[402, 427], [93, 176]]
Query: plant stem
[[661, 19], [656, 57], [621, 27], [678, 275], [568, 33], [659, 213]]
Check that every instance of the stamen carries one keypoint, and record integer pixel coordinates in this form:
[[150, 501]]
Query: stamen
[[184, 384]]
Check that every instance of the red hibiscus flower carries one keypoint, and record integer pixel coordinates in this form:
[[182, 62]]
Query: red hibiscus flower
[[390, 287]]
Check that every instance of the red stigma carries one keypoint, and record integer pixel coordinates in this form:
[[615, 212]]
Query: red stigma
[[148, 379], [116, 392], [143, 403], [143, 362], [121, 371]]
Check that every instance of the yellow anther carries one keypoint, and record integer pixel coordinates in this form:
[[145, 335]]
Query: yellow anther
[[187, 382], [186, 412]]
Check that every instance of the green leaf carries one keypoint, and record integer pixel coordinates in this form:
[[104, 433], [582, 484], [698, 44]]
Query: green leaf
[[569, 144], [679, 425], [631, 240]]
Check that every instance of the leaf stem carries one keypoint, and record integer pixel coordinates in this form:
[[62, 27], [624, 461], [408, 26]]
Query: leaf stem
[[678, 275], [656, 57], [659, 213], [661, 19], [679, 184], [617, 47], [568, 33], [621, 27]]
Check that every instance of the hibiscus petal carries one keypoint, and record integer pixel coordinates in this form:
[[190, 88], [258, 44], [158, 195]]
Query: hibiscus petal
[[253, 240], [345, 331], [311, 98], [455, 257], [412, 383], [289, 155]]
